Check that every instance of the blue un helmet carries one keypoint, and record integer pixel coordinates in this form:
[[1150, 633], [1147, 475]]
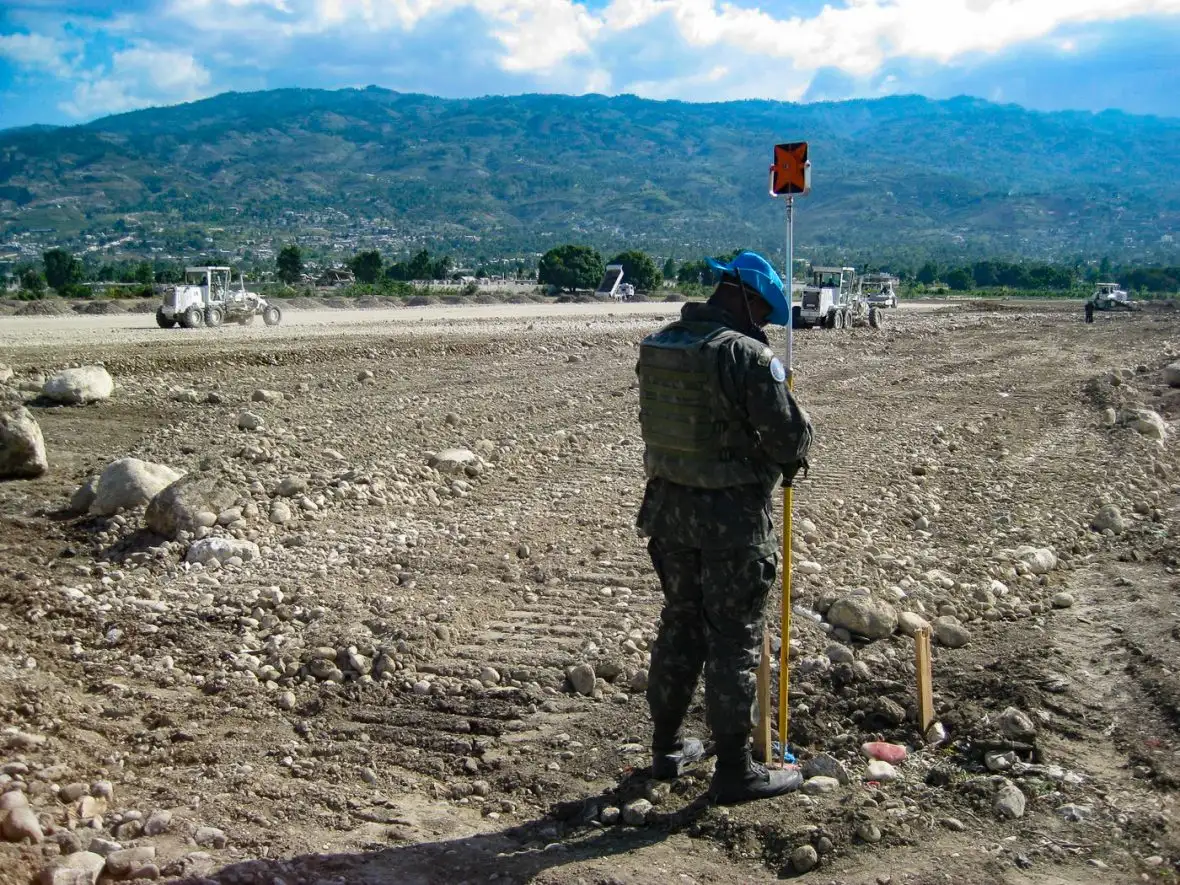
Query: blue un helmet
[[758, 273]]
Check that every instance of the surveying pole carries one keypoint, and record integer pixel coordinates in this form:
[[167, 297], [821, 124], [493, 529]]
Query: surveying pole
[[789, 175]]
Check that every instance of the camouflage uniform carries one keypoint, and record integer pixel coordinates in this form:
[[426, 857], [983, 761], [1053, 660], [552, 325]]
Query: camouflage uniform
[[712, 537]]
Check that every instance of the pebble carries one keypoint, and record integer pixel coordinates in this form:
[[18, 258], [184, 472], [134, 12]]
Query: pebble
[[880, 771], [1016, 725], [883, 751], [609, 815], [804, 859], [73, 792], [132, 863], [581, 677], [1063, 600], [158, 822], [250, 421], [820, 785], [909, 623], [1109, 519], [21, 825], [949, 632], [1075, 813], [489, 676], [635, 812], [210, 837], [75, 868], [953, 824], [867, 831], [1009, 802], [103, 846], [280, 513]]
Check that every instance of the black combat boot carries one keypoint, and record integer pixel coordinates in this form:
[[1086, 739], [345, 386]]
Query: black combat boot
[[672, 753], [739, 778]]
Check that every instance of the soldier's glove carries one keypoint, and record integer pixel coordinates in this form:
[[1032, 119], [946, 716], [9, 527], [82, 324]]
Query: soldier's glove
[[790, 471]]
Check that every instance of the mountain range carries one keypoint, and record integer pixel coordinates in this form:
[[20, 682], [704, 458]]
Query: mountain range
[[962, 178]]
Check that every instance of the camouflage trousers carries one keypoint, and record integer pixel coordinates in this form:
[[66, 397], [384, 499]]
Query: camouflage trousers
[[714, 610]]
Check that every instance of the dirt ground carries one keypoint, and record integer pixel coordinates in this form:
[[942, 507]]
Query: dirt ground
[[380, 696]]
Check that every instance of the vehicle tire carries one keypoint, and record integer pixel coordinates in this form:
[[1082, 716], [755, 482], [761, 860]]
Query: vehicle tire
[[837, 320], [163, 320], [795, 321], [272, 316], [876, 318], [1089, 310], [214, 317], [193, 318], [246, 319]]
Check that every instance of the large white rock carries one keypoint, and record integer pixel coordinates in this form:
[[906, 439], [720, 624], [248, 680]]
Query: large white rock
[[176, 507], [78, 868], [22, 448], [221, 549], [129, 482], [1148, 423], [88, 384], [453, 461], [865, 615], [5, 374], [1171, 374], [1040, 560]]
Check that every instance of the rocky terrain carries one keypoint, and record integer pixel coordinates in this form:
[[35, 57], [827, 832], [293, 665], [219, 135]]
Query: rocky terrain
[[370, 607]]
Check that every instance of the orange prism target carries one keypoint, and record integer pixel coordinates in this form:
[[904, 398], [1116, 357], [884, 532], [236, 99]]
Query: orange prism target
[[791, 172]]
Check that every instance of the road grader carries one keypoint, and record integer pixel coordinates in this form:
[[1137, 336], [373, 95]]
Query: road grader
[[207, 298], [834, 298]]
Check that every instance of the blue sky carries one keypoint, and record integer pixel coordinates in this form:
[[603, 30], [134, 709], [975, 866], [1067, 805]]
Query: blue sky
[[67, 61]]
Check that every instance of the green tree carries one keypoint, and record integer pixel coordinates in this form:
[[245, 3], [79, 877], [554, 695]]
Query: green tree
[[32, 281], [420, 267], [694, 273], [366, 266], [670, 269], [570, 267], [290, 264], [144, 273], [440, 268], [928, 273], [638, 270], [61, 269], [959, 279]]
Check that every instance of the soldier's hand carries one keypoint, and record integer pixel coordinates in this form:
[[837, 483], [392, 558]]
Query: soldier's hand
[[790, 471]]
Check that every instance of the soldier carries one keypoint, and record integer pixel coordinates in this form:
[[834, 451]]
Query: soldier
[[720, 429]]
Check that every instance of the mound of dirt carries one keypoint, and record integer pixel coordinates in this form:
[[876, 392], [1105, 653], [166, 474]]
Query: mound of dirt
[[300, 302], [100, 308], [421, 301], [44, 308], [142, 305]]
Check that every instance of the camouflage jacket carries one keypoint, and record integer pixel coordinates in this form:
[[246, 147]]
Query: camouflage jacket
[[738, 516]]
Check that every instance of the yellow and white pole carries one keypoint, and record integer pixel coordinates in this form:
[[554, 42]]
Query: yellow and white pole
[[784, 653]]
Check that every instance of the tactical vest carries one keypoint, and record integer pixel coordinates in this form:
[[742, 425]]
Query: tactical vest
[[693, 435]]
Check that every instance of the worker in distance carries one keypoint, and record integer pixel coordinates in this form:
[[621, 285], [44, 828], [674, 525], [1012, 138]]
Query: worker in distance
[[720, 429]]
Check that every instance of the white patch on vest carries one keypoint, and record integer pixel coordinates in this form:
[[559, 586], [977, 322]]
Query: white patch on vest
[[777, 372], [765, 357]]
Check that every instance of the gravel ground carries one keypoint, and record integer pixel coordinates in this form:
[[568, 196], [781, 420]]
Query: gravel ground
[[428, 543]]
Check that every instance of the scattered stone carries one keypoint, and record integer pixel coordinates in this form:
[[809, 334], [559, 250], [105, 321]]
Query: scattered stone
[[364, 375], [949, 632], [1040, 560], [6, 374], [1063, 600], [1009, 802], [581, 677], [222, 550], [825, 765], [636, 811], [22, 447], [953, 824], [102, 846], [820, 785], [840, 654], [75, 868], [178, 507], [889, 710], [266, 396], [864, 615], [1148, 423], [804, 859], [157, 823], [291, 486], [73, 387], [935, 734], [454, 462], [83, 497], [286, 701], [880, 771], [250, 421], [281, 513], [210, 837], [129, 482], [1109, 519], [21, 825], [489, 676], [72, 792], [609, 815], [132, 863], [886, 752], [1016, 725], [909, 623], [638, 681], [1075, 813], [1172, 374], [867, 831], [806, 567]]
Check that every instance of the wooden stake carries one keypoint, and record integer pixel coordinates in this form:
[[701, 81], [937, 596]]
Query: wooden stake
[[925, 678], [762, 743]]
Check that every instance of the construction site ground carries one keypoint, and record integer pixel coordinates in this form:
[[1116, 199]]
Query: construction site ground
[[945, 444]]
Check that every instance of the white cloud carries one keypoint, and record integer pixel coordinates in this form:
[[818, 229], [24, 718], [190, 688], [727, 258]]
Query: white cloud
[[38, 52], [139, 77]]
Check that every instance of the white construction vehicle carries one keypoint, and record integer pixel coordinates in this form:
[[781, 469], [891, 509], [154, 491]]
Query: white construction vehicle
[[834, 299], [206, 298], [612, 285], [881, 289]]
